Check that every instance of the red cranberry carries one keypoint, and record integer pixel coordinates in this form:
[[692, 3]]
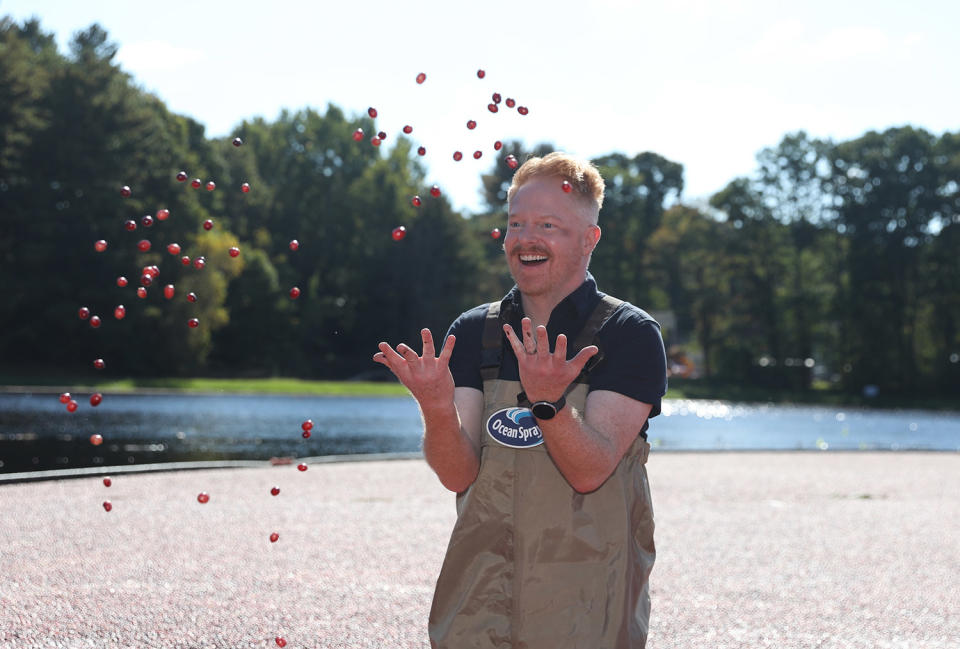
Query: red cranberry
[[193, 323], [496, 97], [275, 491], [302, 466], [107, 505], [306, 434], [523, 110], [130, 225], [96, 439], [163, 215], [422, 151], [125, 191], [408, 129], [185, 260], [435, 191], [234, 251], [147, 221], [567, 187], [168, 291], [122, 281], [99, 364], [245, 188], [307, 425], [375, 141], [358, 134], [211, 185], [203, 497], [143, 245], [199, 262], [95, 399], [237, 141], [477, 154], [196, 183], [457, 156], [471, 124], [497, 145], [481, 74], [273, 539], [173, 248], [421, 77], [495, 233], [191, 297], [382, 136], [372, 112], [83, 313], [120, 312], [510, 103], [512, 161], [152, 271], [141, 292], [107, 482], [492, 108], [100, 245], [65, 398], [146, 279], [416, 201], [72, 406], [294, 245], [399, 233], [182, 176], [95, 321], [294, 293]]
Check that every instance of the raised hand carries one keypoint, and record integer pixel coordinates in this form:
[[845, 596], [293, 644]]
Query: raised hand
[[545, 376], [428, 376]]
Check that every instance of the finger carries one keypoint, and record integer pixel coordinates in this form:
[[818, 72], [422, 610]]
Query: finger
[[578, 361], [526, 326], [390, 354], [406, 352], [543, 343], [447, 350], [513, 340], [428, 349], [560, 349], [380, 358]]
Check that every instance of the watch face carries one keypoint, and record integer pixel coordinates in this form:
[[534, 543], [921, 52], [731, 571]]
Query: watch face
[[543, 410]]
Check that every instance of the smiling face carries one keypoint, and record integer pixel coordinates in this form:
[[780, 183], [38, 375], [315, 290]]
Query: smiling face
[[550, 235]]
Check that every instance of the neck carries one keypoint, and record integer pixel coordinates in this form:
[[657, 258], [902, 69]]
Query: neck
[[539, 307]]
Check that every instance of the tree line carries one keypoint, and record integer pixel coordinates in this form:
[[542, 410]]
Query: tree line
[[833, 261]]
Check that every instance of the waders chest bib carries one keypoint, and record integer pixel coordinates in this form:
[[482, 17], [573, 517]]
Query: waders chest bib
[[534, 564]]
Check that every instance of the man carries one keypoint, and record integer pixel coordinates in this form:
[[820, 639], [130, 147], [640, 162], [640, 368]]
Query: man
[[538, 422]]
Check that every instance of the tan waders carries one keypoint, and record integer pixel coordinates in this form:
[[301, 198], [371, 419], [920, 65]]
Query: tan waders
[[532, 563]]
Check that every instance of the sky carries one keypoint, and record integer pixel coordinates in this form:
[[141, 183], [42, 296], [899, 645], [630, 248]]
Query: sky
[[705, 83]]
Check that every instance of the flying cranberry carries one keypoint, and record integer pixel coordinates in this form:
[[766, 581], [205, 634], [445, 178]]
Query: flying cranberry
[[399, 233], [471, 124], [122, 281], [191, 297], [408, 129], [125, 191], [173, 248], [199, 262], [481, 74], [275, 491], [152, 270], [163, 214], [497, 145], [100, 245], [72, 406], [237, 141], [510, 103], [294, 245], [492, 108], [496, 97], [457, 156], [141, 292], [107, 505], [382, 135], [185, 260], [495, 233], [107, 482], [130, 225], [143, 245], [372, 112], [477, 154], [422, 151], [196, 183], [99, 363], [435, 191], [358, 135], [146, 279], [120, 312], [65, 397], [273, 539], [95, 400], [182, 176], [416, 201], [294, 293], [375, 141], [421, 77], [234, 251], [302, 466], [168, 291], [307, 425], [566, 186], [193, 323], [203, 497], [83, 313], [512, 161], [245, 188], [96, 439], [147, 220], [306, 434], [523, 110], [95, 321], [211, 185]]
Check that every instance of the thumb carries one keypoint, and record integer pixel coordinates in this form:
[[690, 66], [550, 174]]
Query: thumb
[[585, 354]]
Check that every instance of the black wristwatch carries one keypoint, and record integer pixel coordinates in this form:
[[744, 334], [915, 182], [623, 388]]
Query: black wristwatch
[[548, 409]]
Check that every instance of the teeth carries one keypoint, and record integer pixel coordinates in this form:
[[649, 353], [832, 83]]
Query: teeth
[[532, 258]]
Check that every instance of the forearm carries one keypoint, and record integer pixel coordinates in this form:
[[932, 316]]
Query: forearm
[[447, 447], [585, 458]]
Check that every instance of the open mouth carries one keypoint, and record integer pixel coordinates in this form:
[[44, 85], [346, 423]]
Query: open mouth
[[532, 260]]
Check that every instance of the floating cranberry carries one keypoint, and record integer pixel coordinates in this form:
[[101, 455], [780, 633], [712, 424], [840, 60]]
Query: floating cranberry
[[130, 225], [435, 191], [125, 191], [294, 293], [122, 281], [120, 312], [191, 297], [95, 399], [375, 141], [143, 245], [211, 185], [96, 439], [294, 245], [566, 186], [523, 110], [99, 364], [100, 245], [481, 74], [237, 141], [416, 201], [382, 136], [399, 233], [203, 497], [496, 97], [196, 183], [512, 161], [107, 482], [302, 466], [497, 145], [495, 233], [234, 251], [146, 279], [372, 112], [358, 135], [273, 539], [147, 220], [168, 291], [95, 321], [193, 323], [182, 176], [457, 156], [477, 154], [141, 292], [492, 108], [185, 260], [152, 271], [408, 129], [306, 434], [199, 263], [83, 313], [245, 188], [275, 491], [421, 77], [72, 406], [107, 505], [471, 124], [173, 248], [65, 397], [422, 151], [307, 425], [163, 214], [510, 103]]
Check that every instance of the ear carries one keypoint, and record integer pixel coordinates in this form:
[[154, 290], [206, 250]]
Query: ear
[[591, 237]]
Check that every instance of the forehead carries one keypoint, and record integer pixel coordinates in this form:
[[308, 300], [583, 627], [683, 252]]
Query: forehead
[[544, 197]]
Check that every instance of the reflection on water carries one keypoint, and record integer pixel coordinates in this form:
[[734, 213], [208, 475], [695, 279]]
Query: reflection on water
[[36, 432]]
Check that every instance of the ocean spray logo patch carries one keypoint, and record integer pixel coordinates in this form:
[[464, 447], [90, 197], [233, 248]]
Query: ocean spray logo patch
[[514, 427]]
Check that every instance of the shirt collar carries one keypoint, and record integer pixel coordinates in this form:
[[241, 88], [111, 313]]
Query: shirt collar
[[581, 300]]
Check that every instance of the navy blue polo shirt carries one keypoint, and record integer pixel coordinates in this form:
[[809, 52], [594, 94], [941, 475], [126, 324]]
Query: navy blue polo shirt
[[634, 362]]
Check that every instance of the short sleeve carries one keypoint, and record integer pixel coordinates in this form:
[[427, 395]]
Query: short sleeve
[[465, 360]]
